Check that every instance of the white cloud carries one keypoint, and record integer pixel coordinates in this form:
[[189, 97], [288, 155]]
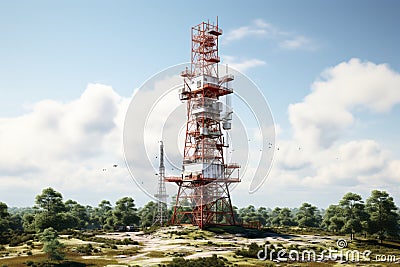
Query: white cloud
[[243, 32], [323, 115], [242, 65], [66, 146], [320, 156], [260, 28]]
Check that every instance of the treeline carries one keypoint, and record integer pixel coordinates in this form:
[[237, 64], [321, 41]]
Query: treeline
[[377, 217], [50, 210]]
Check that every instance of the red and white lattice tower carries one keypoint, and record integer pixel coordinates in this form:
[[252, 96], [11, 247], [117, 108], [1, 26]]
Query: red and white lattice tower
[[203, 188]]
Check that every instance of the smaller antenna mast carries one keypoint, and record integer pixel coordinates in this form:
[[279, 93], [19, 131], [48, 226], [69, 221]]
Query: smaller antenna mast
[[161, 216]]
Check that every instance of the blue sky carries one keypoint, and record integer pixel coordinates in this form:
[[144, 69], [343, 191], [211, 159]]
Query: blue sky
[[52, 50]]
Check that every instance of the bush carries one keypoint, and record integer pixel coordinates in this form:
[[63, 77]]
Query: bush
[[18, 239], [85, 249], [29, 253], [209, 261], [29, 263], [251, 252], [127, 241]]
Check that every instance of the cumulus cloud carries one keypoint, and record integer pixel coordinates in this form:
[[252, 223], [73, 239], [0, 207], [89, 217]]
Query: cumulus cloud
[[323, 115], [65, 145], [319, 154]]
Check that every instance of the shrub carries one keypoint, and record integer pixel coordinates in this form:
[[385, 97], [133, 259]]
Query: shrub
[[127, 241], [209, 261], [18, 239], [251, 252], [85, 249]]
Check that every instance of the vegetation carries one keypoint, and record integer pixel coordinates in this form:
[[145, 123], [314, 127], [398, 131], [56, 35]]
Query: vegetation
[[34, 230], [200, 262], [250, 252], [383, 219], [51, 245]]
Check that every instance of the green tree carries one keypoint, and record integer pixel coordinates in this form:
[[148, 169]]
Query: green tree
[[102, 215], [286, 217], [250, 214], [78, 213], [383, 216], [125, 212], [50, 201], [15, 222], [4, 217], [147, 213], [308, 216], [92, 223], [264, 214], [28, 222], [52, 211], [352, 208], [274, 219], [333, 219], [51, 245]]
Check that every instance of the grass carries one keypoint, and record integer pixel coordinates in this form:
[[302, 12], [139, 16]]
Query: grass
[[192, 239], [71, 261]]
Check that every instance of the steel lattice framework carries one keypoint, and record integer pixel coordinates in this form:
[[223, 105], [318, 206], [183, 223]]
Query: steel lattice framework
[[203, 196], [161, 217]]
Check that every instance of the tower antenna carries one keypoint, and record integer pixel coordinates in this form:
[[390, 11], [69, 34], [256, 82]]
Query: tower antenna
[[203, 196], [161, 216]]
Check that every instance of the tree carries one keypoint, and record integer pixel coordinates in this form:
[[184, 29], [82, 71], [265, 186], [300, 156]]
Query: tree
[[4, 217], [286, 217], [78, 212], [51, 245], [102, 215], [275, 220], [264, 213], [249, 214], [53, 212], [147, 213], [125, 212], [383, 217], [333, 219], [308, 216], [50, 201], [352, 208]]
